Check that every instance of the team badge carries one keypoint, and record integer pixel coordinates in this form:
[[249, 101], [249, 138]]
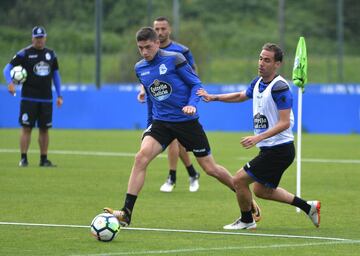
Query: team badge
[[162, 69], [24, 117], [47, 56]]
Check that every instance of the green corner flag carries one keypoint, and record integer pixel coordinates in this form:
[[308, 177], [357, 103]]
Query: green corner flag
[[299, 75]]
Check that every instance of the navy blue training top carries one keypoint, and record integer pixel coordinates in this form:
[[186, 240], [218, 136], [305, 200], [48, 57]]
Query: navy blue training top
[[170, 84]]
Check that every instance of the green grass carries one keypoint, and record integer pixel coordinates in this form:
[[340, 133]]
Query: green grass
[[81, 185]]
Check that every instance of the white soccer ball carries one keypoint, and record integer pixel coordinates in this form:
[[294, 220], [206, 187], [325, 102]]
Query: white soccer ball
[[104, 227], [18, 74]]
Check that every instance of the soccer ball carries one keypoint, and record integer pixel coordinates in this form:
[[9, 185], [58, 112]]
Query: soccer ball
[[18, 74], [104, 227]]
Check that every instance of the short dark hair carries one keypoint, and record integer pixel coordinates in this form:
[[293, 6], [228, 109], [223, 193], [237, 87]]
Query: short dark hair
[[162, 18], [146, 33], [278, 52]]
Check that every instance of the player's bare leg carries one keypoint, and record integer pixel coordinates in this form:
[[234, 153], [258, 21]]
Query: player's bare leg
[[149, 149], [193, 174], [173, 156], [215, 170], [44, 145], [25, 139]]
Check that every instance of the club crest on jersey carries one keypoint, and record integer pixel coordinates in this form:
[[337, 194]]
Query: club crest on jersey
[[47, 56], [42, 68], [160, 90], [162, 69], [260, 123]]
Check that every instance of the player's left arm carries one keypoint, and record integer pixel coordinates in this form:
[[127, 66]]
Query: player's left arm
[[191, 79], [284, 100], [57, 82], [281, 125]]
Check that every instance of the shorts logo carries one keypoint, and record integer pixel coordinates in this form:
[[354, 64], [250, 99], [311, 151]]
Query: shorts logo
[[162, 69], [42, 68], [260, 123], [160, 90], [199, 150], [25, 117]]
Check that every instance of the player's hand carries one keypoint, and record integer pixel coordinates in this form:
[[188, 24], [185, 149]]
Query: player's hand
[[189, 110], [11, 88], [249, 141], [59, 101], [204, 94], [141, 97]]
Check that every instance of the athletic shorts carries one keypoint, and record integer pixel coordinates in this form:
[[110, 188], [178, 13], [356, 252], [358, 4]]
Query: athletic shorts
[[32, 113], [190, 134], [270, 164]]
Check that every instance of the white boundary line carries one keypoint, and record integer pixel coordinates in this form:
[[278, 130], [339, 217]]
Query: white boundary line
[[128, 154], [192, 250], [186, 231]]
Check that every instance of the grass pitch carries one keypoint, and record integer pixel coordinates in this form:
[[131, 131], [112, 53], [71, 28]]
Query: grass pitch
[[93, 170]]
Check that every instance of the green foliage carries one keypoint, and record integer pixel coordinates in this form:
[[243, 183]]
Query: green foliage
[[217, 32]]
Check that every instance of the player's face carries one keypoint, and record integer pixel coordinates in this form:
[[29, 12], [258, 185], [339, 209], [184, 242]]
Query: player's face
[[163, 30], [267, 66], [38, 42], [148, 48]]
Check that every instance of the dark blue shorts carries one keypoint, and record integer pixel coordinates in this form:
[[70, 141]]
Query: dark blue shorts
[[270, 164], [190, 135], [32, 113]]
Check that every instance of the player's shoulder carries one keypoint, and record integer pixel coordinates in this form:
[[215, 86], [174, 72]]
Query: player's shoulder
[[176, 46], [139, 64], [280, 85], [176, 56], [24, 51]]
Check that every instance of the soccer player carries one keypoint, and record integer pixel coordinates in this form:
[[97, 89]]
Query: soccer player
[[171, 85], [273, 121], [175, 149], [42, 68]]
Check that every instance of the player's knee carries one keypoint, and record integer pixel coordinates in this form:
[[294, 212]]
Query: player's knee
[[141, 158], [261, 192]]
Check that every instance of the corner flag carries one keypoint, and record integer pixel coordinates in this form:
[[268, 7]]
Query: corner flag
[[299, 78], [299, 75]]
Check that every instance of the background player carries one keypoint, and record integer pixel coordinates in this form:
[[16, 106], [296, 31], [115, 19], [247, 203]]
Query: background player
[[175, 149], [42, 67]]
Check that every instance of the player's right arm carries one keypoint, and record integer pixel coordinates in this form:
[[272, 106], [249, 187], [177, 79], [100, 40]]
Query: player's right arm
[[226, 97], [11, 86]]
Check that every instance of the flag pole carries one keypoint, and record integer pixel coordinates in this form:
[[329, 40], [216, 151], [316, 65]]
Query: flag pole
[[299, 78], [298, 146]]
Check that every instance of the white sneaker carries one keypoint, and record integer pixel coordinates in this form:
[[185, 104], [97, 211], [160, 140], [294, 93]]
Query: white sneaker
[[168, 186], [314, 213], [194, 183], [238, 224]]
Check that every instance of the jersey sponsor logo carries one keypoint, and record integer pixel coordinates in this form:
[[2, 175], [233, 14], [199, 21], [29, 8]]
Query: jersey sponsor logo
[[42, 68], [162, 69], [47, 56], [160, 90], [33, 56], [145, 73], [260, 123]]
